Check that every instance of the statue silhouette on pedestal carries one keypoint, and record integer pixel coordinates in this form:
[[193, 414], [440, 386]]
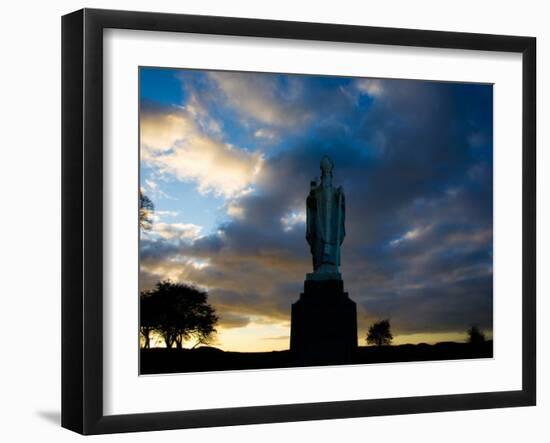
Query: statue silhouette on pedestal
[[325, 231], [324, 319]]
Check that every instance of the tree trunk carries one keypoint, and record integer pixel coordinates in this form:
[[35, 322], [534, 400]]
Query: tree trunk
[[168, 340], [145, 332], [147, 344]]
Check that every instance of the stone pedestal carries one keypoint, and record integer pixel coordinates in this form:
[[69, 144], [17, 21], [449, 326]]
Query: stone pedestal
[[323, 324]]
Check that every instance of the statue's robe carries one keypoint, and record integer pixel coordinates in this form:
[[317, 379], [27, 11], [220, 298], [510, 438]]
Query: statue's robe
[[325, 225]]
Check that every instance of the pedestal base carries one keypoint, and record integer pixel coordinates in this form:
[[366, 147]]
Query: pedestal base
[[323, 324]]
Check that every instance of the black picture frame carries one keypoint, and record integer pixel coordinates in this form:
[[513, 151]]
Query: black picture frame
[[82, 216]]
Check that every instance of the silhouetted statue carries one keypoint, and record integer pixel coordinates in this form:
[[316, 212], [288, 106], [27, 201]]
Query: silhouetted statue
[[325, 231], [323, 324]]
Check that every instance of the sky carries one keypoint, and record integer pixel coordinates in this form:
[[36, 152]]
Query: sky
[[227, 159]]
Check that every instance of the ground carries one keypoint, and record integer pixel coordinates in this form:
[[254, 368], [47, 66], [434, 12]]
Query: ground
[[162, 360]]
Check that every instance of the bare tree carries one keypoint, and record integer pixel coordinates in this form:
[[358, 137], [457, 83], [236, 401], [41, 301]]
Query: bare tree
[[146, 210]]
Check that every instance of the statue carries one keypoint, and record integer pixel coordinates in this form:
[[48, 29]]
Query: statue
[[323, 321], [326, 209]]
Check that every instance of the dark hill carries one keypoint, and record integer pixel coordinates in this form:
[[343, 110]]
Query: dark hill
[[162, 360]]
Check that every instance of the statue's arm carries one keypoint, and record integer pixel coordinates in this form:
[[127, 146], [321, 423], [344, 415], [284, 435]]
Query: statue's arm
[[343, 209], [308, 220]]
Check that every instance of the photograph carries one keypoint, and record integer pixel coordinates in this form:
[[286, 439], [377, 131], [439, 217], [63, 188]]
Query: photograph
[[290, 220], [278, 220]]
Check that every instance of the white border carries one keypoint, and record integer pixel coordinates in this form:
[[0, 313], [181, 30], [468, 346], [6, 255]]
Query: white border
[[126, 392]]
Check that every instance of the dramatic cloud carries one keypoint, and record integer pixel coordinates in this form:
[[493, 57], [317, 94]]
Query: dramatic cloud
[[176, 230], [172, 143], [294, 219], [229, 320], [262, 98], [414, 159], [372, 87]]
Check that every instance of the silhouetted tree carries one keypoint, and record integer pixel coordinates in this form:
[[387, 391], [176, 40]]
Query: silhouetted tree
[[146, 209], [379, 333], [475, 335], [179, 312]]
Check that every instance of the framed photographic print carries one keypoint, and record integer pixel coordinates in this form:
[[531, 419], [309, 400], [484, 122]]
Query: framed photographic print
[[261, 218]]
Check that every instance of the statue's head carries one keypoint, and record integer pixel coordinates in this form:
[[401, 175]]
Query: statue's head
[[326, 165]]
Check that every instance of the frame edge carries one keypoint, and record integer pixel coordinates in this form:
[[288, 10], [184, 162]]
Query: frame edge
[[72, 221], [529, 220], [81, 234]]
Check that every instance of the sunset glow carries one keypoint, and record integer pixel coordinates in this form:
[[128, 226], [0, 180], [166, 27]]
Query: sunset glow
[[227, 159]]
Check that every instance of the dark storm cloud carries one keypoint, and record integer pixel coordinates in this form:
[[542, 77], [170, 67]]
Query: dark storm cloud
[[437, 308], [228, 320], [415, 161]]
